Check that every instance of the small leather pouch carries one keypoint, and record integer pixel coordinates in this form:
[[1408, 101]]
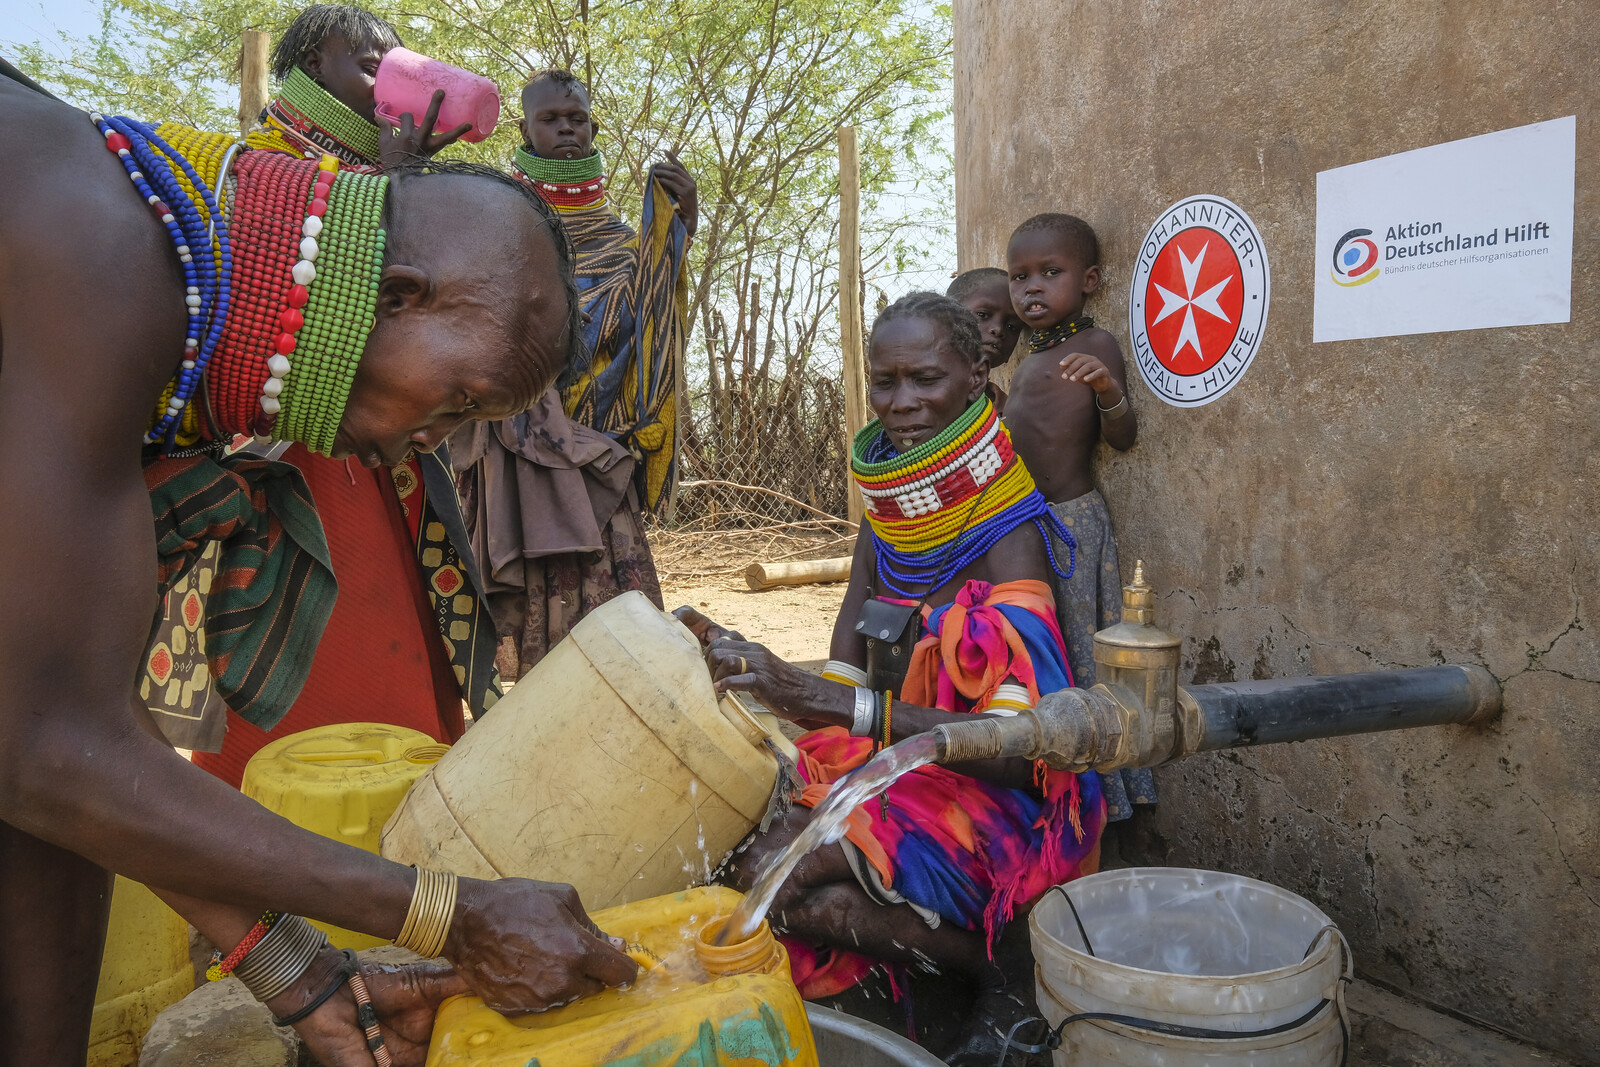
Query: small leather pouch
[[891, 631]]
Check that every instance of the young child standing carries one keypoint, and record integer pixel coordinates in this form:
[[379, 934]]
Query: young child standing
[[1069, 391], [986, 292]]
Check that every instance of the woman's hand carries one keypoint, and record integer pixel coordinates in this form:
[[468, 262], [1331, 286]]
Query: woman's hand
[[406, 998], [703, 628], [408, 141], [795, 694], [676, 179], [526, 946]]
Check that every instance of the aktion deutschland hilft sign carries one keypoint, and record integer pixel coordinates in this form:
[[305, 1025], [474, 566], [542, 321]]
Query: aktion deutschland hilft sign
[[1459, 236]]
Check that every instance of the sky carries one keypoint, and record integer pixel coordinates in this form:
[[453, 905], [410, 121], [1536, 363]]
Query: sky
[[931, 218], [27, 21]]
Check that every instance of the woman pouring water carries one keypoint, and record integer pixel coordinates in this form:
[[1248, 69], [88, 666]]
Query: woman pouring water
[[949, 613]]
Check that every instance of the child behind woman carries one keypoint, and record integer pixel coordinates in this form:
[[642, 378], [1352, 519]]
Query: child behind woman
[[1069, 391]]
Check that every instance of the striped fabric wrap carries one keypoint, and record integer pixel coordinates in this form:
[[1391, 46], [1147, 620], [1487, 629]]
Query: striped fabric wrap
[[274, 587], [636, 295]]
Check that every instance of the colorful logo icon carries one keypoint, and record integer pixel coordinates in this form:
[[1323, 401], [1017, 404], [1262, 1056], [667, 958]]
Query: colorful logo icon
[[1198, 301], [1355, 259]]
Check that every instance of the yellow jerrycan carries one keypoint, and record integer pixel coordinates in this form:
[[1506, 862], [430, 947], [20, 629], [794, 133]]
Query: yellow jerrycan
[[144, 971], [693, 1002], [342, 781], [611, 766]]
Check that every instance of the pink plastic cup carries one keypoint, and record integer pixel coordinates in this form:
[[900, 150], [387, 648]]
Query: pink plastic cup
[[407, 80]]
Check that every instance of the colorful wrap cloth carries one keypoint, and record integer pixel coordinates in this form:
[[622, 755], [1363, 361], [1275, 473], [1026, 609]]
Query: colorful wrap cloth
[[273, 589], [969, 850], [635, 293]]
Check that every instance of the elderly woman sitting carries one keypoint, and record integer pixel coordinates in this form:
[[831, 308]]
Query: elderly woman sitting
[[956, 569]]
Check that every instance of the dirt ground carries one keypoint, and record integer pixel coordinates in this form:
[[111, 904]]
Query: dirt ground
[[794, 621], [705, 570]]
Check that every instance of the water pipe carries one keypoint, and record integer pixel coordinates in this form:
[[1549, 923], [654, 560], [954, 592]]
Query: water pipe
[[1138, 715]]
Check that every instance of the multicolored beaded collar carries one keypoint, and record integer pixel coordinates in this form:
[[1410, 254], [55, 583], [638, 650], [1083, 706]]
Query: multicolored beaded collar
[[568, 185], [281, 281], [306, 120], [938, 507], [1054, 335]]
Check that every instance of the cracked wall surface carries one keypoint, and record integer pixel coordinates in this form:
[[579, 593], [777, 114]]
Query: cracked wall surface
[[1353, 505]]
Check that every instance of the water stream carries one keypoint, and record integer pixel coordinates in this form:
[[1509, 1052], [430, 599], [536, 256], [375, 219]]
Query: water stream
[[827, 826]]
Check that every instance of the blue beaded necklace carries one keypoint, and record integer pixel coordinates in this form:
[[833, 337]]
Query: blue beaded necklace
[[207, 289]]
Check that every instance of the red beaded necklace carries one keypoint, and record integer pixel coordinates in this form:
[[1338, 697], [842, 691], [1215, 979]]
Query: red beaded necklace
[[272, 189]]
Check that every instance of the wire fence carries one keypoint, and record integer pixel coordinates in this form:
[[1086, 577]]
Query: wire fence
[[763, 477]]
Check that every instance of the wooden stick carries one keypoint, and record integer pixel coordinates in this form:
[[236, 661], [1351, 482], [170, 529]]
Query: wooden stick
[[851, 332], [805, 572], [253, 48]]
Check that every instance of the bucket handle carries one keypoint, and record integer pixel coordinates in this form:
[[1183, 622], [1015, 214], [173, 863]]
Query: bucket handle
[[1079, 920], [1052, 1036]]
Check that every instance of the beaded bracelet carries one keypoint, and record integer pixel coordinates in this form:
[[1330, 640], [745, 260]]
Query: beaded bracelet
[[281, 957], [888, 713], [367, 1019], [222, 966]]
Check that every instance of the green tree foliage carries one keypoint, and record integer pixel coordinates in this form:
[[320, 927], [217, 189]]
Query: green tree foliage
[[750, 93]]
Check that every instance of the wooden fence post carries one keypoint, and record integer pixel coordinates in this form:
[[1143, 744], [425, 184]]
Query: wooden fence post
[[253, 49], [850, 325]]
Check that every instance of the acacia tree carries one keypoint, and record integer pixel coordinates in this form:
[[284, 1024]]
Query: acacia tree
[[748, 92]]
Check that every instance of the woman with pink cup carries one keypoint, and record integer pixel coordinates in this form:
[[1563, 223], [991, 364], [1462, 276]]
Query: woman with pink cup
[[408, 82]]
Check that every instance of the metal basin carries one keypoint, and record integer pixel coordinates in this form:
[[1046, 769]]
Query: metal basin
[[845, 1041]]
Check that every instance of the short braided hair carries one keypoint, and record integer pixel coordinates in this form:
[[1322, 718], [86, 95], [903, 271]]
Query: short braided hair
[[960, 326], [1078, 236], [968, 282], [565, 79], [319, 21]]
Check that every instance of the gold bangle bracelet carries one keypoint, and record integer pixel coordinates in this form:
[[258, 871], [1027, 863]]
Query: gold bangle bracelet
[[433, 905]]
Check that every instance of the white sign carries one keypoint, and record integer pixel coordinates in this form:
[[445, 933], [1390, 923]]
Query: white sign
[[1460, 236], [1198, 302]]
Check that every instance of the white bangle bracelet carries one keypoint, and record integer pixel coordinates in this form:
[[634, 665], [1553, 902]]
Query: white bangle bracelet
[[861, 717]]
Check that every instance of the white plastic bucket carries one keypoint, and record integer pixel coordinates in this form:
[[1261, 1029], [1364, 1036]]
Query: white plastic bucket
[[1193, 948]]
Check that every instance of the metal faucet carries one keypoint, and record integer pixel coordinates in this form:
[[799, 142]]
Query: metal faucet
[[1138, 715]]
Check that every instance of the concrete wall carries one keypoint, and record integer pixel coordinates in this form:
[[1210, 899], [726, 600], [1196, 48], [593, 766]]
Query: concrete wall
[[1353, 505]]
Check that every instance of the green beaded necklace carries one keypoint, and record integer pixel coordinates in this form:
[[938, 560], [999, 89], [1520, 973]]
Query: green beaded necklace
[[339, 314], [327, 115], [558, 171]]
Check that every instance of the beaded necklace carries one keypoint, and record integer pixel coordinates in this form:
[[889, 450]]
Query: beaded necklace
[[933, 509], [282, 299], [1054, 335], [568, 185], [304, 119]]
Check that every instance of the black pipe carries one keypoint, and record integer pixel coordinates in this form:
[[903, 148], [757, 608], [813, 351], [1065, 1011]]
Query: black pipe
[[1299, 709]]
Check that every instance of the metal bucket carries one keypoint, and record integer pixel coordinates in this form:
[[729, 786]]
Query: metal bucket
[[845, 1041]]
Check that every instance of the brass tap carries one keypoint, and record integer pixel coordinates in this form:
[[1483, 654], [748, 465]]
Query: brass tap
[[1136, 665]]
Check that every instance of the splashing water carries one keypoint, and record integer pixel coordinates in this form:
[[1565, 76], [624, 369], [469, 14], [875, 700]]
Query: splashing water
[[827, 825]]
